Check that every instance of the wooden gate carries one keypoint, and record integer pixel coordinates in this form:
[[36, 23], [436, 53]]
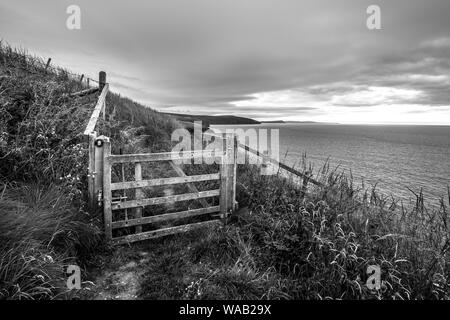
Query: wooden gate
[[133, 227], [141, 225]]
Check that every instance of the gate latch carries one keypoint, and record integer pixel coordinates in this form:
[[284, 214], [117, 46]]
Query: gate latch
[[100, 198]]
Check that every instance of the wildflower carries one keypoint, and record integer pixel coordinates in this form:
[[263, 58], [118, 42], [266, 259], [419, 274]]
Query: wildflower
[[48, 258], [40, 277]]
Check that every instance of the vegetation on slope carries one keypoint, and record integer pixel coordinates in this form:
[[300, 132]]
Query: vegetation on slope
[[283, 245], [43, 222]]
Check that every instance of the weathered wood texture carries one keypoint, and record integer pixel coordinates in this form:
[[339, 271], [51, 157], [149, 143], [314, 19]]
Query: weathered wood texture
[[98, 165], [164, 181], [162, 232], [164, 217], [107, 189], [163, 156], [85, 92], [227, 173], [138, 193], [91, 172], [96, 113], [162, 200], [101, 79], [190, 185]]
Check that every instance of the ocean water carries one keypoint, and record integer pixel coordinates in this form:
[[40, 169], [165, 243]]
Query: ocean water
[[394, 157]]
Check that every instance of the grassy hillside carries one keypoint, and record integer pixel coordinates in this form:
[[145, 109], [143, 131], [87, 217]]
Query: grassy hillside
[[43, 221], [281, 244]]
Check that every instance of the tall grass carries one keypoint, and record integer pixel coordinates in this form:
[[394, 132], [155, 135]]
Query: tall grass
[[40, 233], [283, 244], [43, 171], [321, 244]]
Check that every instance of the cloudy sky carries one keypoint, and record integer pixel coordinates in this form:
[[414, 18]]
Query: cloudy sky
[[278, 59]]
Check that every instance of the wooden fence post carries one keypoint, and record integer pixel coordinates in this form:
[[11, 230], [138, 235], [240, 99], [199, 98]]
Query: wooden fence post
[[223, 182], [234, 173], [101, 80], [98, 167], [138, 193], [91, 172], [107, 212], [48, 64], [227, 176]]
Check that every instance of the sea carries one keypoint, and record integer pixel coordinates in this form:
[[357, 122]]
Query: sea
[[399, 160]]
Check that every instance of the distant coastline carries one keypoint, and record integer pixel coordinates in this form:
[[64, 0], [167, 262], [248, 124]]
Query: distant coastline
[[188, 119], [213, 120]]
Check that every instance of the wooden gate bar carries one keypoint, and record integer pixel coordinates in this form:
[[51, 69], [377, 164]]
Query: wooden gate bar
[[163, 181], [163, 232], [163, 156], [164, 217], [191, 186], [162, 200]]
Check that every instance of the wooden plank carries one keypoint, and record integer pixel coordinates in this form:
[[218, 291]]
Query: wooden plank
[[162, 200], [107, 211], [164, 181], [191, 186], [96, 113], [163, 156], [138, 192], [164, 217], [83, 93], [280, 164], [163, 232], [104, 110]]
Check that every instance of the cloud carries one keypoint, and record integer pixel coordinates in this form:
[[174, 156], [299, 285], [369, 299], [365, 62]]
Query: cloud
[[259, 58]]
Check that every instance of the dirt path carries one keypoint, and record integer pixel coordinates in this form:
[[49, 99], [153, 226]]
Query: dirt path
[[121, 279]]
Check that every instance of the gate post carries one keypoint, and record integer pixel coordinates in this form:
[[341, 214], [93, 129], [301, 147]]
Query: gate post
[[228, 176], [107, 212], [91, 172], [98, 167], [234, 142]]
